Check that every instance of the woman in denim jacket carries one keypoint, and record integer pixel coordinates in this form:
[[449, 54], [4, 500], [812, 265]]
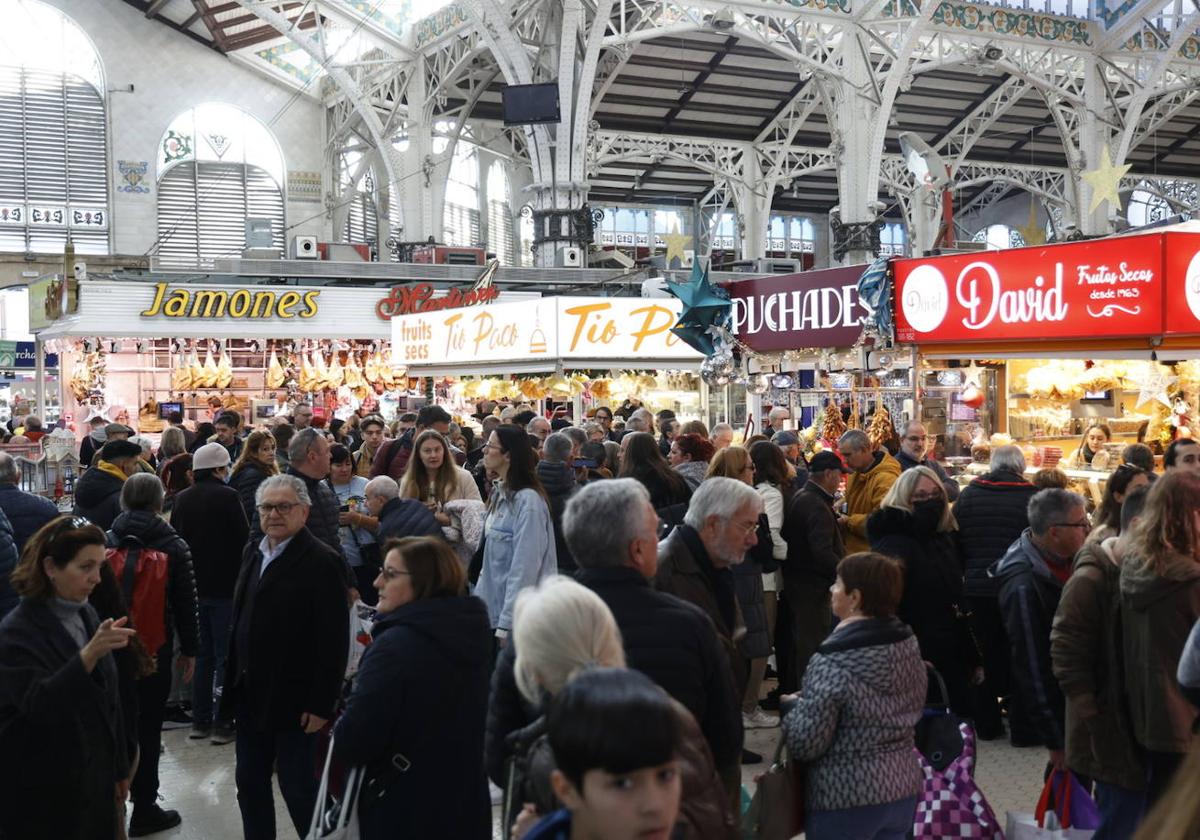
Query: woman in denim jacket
[[518, 549]]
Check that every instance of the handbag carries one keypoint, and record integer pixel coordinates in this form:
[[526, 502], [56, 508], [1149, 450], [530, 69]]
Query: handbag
[[777, 810], [938, 735], [951, 804], [335, 819]]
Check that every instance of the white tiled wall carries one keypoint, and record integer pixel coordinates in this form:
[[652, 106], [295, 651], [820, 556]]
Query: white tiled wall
[[171, 73]]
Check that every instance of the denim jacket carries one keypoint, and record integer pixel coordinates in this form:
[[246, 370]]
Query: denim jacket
[[518, 551]]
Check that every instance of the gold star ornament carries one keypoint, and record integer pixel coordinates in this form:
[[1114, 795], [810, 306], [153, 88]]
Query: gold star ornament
[[1033, 233], [1105, 181], [676, 244]]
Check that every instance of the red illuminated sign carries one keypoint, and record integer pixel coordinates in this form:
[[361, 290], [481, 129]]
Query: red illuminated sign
[[1106, 288], [410, 300], [1183, 284]]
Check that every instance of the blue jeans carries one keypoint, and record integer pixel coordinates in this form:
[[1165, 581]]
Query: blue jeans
[[1120, 811], [890, 821], [215, 617]]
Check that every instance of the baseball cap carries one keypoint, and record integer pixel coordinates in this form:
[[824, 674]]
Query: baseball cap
[[823, 461], [786, 438], [210, 456]]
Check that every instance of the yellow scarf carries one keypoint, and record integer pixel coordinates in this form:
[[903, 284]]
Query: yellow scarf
[[111, 469]]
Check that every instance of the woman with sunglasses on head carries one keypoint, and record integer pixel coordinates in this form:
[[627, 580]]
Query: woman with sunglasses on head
[[61, 725], [915, 525], [415, 718]]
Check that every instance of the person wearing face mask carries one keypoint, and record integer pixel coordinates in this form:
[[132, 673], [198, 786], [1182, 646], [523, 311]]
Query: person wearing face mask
[[915, 526]]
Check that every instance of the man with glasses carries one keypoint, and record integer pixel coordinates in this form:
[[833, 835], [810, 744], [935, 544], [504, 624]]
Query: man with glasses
[[287, 657], [604, 416], [914, 451], [872, 474], [1031, 577]]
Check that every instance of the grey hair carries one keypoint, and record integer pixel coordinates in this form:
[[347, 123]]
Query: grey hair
[[577, 435], [144, 442], [640, 421], [289, 482], [9, 472], [602, 519], [855, 440], [301, 443], [1049, 506], [1009, 458], [590, 429], [383, 486], [720, 427], [557, 448], [779, 411], [720, 497], [142, 491]]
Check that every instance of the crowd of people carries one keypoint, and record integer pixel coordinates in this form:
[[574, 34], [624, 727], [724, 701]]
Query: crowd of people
[[586, 616]]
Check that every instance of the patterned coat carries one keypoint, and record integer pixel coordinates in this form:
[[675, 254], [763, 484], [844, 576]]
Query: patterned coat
[[852, 726]]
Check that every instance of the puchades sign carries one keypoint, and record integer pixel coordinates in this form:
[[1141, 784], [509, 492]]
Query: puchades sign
[[547, 328], [1103, 288], [789, 311]]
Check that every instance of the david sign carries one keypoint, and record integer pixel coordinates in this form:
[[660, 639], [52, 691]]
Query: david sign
[[790, 311], [1108, 288]]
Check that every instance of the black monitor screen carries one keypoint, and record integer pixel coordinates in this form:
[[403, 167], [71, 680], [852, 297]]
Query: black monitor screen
[[526, 104], [165, 409]]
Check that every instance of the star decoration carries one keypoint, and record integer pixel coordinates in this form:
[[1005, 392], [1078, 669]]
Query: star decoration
[[1105, 181], [676, 243], [1156, 387], [1033, 233], [704, 306]]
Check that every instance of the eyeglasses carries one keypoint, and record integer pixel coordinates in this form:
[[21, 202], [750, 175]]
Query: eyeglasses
[[916, 438], [283, 508], [491, 446], [71, 523], [748, 527], [392, 574], [1087, 526]]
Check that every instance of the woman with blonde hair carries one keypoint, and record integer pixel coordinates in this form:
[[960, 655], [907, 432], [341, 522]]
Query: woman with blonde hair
[[916, 526], [1160, 601], [560, 629], [171, 443], [254, 466], [433, 478]]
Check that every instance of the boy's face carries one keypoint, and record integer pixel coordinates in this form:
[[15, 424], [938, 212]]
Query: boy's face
[[640, 805]]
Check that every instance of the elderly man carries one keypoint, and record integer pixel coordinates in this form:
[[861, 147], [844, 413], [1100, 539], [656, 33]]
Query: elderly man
[[1182, 454], [789, 443], [98, 491], [991, 514], [777, 420], [302, 416], [914, 451], [539, 427], [641, 420], [1031, 577], [872, 475], [721, 436], [26, 511], [393, 516], [287, 657], [371, 428]]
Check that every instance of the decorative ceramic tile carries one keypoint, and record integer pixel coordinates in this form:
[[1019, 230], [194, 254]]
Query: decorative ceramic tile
[[821, 5], [439, 23], [292, 60], [134, 176], [1004, 21], [304, 185]]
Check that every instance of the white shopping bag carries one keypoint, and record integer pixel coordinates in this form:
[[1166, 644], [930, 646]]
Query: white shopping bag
[[362, 619], [1025, 827]]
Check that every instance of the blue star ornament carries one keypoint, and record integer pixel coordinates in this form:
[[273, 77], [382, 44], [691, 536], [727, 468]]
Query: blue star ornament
[[704, 306]]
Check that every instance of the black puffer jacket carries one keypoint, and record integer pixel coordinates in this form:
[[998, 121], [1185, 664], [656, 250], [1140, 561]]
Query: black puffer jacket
[[991, 514], [406, 518], [209, 516], [245, 481], [560, 485], [932, 590], [98, 497], [152, 531]]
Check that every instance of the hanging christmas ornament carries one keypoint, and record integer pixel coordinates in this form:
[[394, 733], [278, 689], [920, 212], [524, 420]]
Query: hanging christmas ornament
[[1105, 181], [759, 384], [1155, 387], [1033, 233], [782, 381], [704, 306]]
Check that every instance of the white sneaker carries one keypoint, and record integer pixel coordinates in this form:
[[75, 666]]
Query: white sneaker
[[497, 793], [758, 719]]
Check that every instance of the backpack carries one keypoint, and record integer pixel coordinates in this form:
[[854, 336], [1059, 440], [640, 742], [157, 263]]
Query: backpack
[[142, 573]]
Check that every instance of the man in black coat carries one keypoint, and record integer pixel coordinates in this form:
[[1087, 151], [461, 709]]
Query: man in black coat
[[612, 531], [558, 479], [26, 511], [991, 514], [287, 658], [210, 517], [98, 491], [397, 517], [815, 547]]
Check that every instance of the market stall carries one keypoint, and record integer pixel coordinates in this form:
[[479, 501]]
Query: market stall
[[1045, 342], [573, 352]]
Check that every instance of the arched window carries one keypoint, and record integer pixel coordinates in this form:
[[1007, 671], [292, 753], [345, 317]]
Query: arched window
[[362, 218], [500, 214], [53, 134], [217, 167], [460, 215], [999, 237], [893, 240]]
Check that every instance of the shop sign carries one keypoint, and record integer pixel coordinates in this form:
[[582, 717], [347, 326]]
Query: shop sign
[[566, 328], [1183, 284], [409, 300], [1108, 288], [790, 311], [24, 355], [237, 304]]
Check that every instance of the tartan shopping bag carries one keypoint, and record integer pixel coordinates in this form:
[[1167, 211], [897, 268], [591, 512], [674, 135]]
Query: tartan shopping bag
[[951, 804]]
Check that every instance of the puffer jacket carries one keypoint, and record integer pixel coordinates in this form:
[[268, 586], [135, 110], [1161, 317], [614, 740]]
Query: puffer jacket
[[245, 481], [991, 513], [98, 494], [9, 557], [152, 531], [852, 725], [864, 495], [559, 483], [1158, 609], [1028, 599], [27, 512], [406, 518], [1086, 652]]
